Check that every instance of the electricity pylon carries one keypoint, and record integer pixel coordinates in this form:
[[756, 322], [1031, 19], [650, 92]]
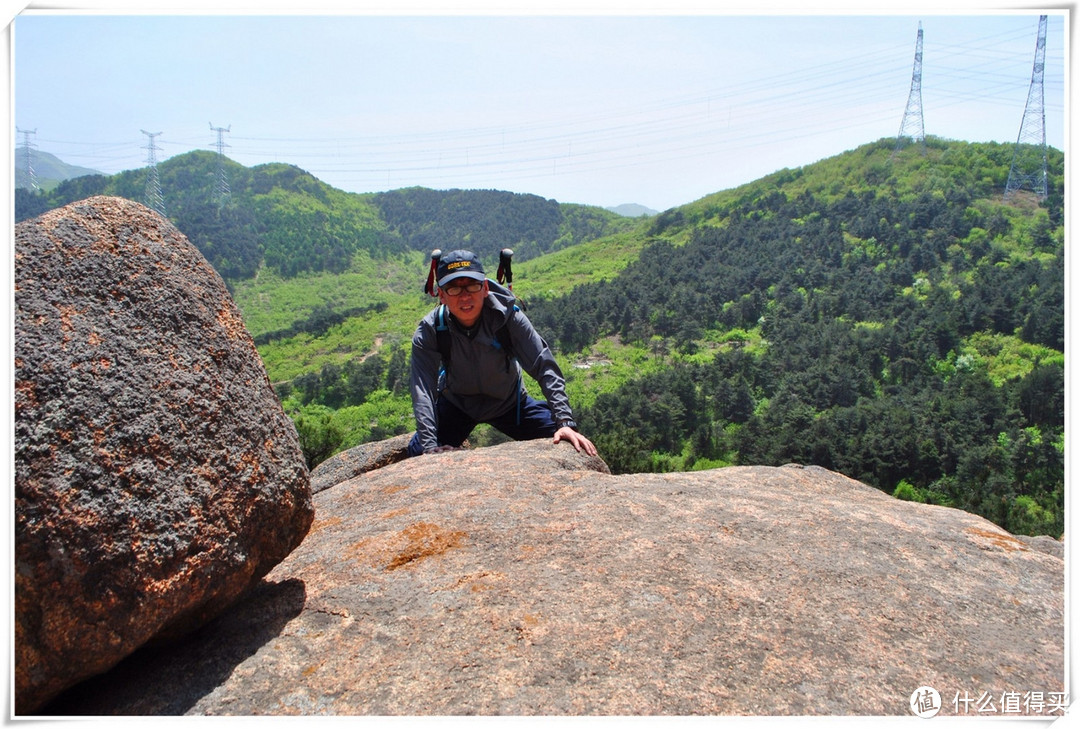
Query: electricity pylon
[[154, 199], [1029, 164], [912, 127], [221, 189], [28, 157]]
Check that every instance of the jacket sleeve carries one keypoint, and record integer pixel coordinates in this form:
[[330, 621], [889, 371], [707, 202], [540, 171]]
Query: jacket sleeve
[[426, 362], [536, 358]]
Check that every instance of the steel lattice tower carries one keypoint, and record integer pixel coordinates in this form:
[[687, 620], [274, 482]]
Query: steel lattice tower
[[1029, 164], [28, 157], [912, 127], [221, 189], [153, 185]]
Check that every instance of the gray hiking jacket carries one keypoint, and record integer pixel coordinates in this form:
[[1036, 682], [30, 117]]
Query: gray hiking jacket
[[481, 380]]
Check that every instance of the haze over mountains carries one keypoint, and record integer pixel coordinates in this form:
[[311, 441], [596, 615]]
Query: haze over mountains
[[49, 170], [632, 210]]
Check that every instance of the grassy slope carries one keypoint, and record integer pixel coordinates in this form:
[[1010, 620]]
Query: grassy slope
[[270, 303]]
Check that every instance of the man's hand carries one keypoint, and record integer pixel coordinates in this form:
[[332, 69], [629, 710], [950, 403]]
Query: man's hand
[[576, 439]]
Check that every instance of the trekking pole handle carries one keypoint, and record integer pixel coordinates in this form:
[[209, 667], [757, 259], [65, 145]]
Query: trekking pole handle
[[505, 271], [431, 287]]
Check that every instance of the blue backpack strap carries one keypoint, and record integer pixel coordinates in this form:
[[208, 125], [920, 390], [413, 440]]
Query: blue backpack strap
[[442, 338], [442, 333]]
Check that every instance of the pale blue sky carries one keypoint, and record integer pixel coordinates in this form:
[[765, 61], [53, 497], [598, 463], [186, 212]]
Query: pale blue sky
[[597, 109]]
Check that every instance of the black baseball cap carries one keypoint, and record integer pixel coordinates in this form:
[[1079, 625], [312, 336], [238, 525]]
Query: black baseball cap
[[460, 264]]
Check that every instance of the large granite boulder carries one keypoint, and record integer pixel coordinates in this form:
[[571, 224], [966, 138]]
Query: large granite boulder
[[156, 476], [525, 579]]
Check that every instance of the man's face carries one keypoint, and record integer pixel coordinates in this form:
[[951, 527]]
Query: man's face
[[462, 302]]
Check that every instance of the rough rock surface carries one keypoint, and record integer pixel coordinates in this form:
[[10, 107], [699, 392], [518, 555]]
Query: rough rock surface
[[156, 476], [359, 460], [524, 579]]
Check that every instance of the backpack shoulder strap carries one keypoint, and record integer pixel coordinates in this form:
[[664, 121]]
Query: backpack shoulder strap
[[442, 333], [502, 338]]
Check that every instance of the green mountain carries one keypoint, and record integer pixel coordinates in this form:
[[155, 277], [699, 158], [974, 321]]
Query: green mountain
[[889, 316], [896, 320], [278, 218], [49, 170]]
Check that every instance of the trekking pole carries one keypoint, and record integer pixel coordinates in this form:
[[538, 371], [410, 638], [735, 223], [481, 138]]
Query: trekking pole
[[430, 287], [505, 272]]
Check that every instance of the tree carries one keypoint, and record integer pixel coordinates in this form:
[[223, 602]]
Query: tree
[[319, 436]]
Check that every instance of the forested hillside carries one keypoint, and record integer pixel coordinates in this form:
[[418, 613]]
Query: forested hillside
[[276, 216], [889, 316], [897, 322], [486, 221], [281, 219]]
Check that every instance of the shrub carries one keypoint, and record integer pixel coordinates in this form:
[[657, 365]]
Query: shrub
[[906, 492], [1027, 516], [319, 437]]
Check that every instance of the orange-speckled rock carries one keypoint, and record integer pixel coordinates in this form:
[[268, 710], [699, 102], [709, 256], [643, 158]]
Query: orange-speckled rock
[[156, 476], [525, 579]]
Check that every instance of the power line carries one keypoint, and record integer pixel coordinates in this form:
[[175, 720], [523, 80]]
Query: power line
[[783, 109]]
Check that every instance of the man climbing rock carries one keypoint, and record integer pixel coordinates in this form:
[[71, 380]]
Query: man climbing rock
[[467, 358]]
